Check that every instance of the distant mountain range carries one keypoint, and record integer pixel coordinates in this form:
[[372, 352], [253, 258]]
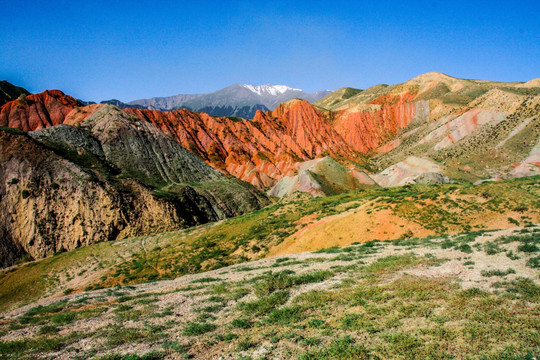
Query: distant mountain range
[[236, 100]]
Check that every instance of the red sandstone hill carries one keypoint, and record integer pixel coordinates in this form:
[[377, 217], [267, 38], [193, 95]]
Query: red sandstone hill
[[260, 151]]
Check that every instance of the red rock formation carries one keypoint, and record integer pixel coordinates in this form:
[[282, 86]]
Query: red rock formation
[[38, 111], [260, 151], [367, 130]]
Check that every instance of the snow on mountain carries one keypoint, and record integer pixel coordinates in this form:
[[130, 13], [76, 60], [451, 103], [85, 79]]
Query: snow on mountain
[[235, 100], [270, 89]]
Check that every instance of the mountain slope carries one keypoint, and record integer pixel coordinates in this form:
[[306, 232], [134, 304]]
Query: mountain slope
[[141, 180], [289, 226], [9, 92], [336, 97], [320, 177], [472, 128], [260, 151]]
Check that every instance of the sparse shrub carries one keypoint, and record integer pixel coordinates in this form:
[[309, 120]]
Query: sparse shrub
[[490, 273], [264, 304], [64, 318], [534, 262], [343, 348], [286, 315], [120, 335], [285, 279], [241, 323], [316, 323], [330, 250], [280, 260], [521, 208], [45, 309], [229, 337], [48, 329], [513, 221], [466, 248], [473, 292], [245, 344], [528, 247], [349, 320], [407, 234], [193, 329], [510, 254], [525, 287], [152, 355], [491, 248], [175, 346], [239, 293], [68, 291], [216, 299]]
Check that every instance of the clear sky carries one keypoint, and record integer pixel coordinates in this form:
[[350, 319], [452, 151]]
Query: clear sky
[[96, 50]]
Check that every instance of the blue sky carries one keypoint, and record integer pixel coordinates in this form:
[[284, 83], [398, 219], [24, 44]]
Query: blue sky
[[97, 50]]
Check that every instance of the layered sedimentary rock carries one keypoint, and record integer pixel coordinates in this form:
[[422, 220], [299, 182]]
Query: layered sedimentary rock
[[259, 151], [38, 111], [109, 177]]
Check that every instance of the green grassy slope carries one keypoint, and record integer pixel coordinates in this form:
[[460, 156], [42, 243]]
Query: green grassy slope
[[439, 209], [470, 296]]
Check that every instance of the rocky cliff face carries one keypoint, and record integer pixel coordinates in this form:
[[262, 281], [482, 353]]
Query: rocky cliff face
[[109, 177], [260, 151]]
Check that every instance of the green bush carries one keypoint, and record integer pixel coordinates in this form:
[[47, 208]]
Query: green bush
[[193, 329], [241, 323], [264, 304], [489, 273]]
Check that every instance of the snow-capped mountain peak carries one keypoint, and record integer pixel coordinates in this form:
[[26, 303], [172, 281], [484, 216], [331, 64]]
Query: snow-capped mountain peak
[[269, 89]]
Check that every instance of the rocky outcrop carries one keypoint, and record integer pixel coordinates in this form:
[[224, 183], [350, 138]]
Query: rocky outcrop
[[405, 172], [367, 129], [428, 178], [321, 177], [107, 178], [38, 111]]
